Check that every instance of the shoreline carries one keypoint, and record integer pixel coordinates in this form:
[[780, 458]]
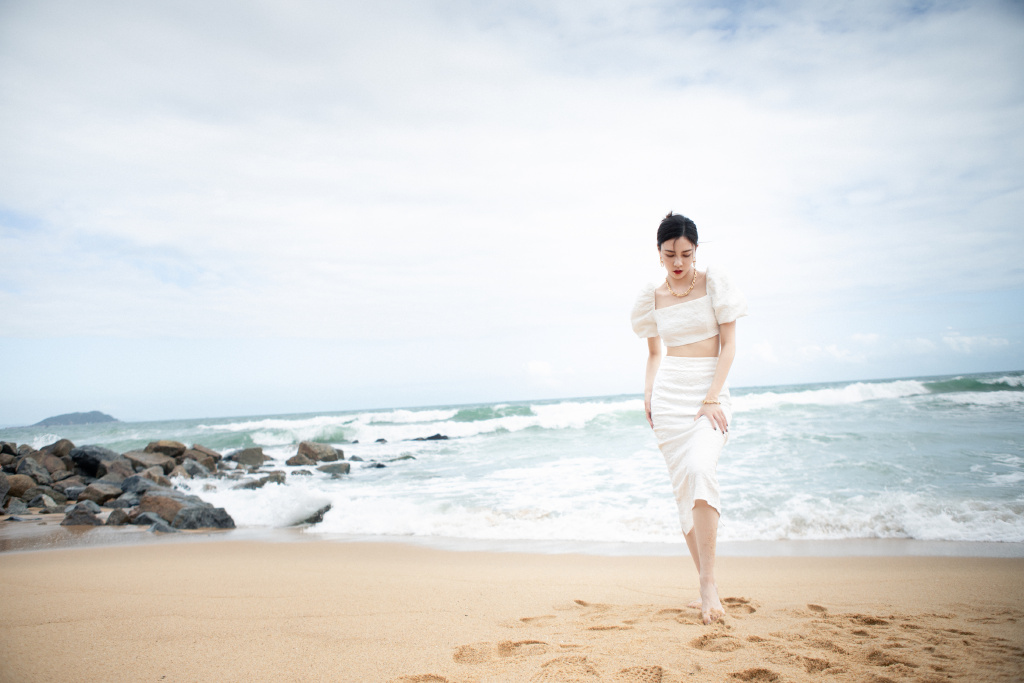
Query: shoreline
[[43, 532], [400, 613]]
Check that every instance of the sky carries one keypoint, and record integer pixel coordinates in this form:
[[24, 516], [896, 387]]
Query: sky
[[241, 208]]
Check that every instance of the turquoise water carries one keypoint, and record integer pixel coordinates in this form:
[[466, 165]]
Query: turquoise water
[[932, 458]]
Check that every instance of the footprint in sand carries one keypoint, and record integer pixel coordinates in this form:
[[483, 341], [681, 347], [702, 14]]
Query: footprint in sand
[[756, 674], [738, 605], [640, 674], [716, 642], [572, 669], [479, 653], [422, 678], [816, 608]]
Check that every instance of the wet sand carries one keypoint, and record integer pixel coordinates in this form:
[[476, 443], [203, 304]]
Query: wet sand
[[230, 610]]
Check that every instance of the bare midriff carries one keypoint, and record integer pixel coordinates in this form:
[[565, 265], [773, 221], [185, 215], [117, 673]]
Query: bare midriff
[[705, 348]]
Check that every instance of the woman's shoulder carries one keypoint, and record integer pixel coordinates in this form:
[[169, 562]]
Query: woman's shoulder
[[728, 300]]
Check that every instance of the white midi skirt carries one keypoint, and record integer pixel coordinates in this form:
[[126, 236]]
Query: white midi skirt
[[691, 448]]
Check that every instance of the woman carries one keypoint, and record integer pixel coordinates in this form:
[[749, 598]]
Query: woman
[[685, 393]]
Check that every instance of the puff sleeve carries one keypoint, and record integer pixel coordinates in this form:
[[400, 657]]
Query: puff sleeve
[[727, 300], [643, 320]]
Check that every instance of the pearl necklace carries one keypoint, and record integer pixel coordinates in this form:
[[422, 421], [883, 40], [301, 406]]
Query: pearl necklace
[[675, 293]]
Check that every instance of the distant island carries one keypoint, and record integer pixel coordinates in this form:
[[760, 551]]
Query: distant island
[[75, 419]]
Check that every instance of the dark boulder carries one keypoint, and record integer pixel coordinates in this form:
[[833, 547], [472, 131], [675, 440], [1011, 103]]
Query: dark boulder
[[194, 469], [117, 517], [81, 517], [374, 466], [319, 452], [110, 478], [200, 457], [299, 460], [435, 437], [16, 506], [142, 460], [179, 472], [7, 462], [52, 463], [120, 466], [9, 448], [381, 440], [138, 484], [25, 449], [64, 484], [164, 506], [42, 501], [18, 484], [355, 458], [403, 457], [272, 478], [5, 486], [144, 518], [87, 505], [125, 500], [203, 518], [335, 468], [316, 517], [302, 473], [169, 448], [73, 492], [30, 467], [162, 527], [59, 448], [207, 451], [156, 475], [88, 458], [61, 475], [51, 493], [250, 457], [100, 492]]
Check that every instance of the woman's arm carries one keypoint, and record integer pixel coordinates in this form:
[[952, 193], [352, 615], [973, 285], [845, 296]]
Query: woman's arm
[[726, 354], [653, 361]]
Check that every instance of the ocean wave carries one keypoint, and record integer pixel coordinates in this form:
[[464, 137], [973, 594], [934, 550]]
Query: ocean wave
[[858, 392], [564, 415], [888, 515], [974, 384]]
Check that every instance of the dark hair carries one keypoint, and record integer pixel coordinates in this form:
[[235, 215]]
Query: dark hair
[[674, 226]]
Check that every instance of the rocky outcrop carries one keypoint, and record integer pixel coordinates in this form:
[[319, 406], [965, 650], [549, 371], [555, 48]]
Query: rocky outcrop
[[316, 517], [203, 518], [435, 437], [164, 506], [320, 452], [5, 486], [61, 449], [88, 458], [142, 460], [336, 468], [53, 494], [117, 517], [171, 449], [207, 451], [121, 466], [86, 505], [31, 467], [194, 469], [100, 492], [18, 484], [272, 478], [299, 460], [250, 457], [81, 517]]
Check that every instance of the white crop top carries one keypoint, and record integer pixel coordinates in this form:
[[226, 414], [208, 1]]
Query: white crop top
[[693, 320]]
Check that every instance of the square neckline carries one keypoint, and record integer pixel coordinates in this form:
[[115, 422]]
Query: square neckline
[[681, 303]]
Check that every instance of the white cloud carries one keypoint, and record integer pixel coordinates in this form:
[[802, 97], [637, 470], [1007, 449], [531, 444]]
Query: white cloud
[[965, 344]]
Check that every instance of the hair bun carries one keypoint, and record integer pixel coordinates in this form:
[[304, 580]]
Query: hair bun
[[667, 215]]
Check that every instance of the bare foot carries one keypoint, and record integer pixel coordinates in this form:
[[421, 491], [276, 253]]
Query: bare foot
[[695, 604], [711, 609]]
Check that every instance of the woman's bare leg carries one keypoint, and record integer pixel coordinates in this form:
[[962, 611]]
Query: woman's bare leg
[[705, 537], [691, 543]]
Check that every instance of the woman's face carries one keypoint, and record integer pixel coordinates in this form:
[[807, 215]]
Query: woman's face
[[678, 256]]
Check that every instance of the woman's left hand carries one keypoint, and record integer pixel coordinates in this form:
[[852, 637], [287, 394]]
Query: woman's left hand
[[715, 415]]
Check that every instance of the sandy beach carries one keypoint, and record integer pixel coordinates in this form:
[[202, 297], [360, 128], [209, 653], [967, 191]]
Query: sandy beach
[[318, 610]]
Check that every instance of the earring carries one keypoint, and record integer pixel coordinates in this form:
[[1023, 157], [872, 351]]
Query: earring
[[662, 262]]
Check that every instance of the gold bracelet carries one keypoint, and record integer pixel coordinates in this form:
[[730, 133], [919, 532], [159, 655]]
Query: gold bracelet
[[711, 403]]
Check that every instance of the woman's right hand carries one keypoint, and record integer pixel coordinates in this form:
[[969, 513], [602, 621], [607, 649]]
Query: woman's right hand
[[647, 409]]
